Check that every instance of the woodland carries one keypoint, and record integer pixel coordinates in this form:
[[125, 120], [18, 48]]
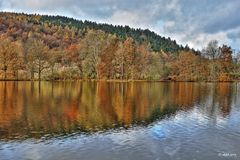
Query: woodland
[[42, 47]]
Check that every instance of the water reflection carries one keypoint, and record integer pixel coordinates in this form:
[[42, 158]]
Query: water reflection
[[32, 109]]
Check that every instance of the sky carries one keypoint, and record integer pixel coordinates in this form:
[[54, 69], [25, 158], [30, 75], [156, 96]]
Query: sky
[[192, 22]]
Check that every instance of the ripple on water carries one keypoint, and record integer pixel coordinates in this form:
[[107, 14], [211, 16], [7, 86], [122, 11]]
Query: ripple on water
[[89, 123]]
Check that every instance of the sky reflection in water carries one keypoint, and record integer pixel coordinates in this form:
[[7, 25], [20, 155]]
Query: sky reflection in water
[[119, 120]]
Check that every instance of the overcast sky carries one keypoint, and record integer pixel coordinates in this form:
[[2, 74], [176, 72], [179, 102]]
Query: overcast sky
[[193, 22]]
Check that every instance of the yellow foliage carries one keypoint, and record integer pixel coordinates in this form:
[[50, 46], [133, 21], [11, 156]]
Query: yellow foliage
[[225, 77]]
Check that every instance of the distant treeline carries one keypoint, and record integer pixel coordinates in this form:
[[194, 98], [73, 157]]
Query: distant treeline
[[60, 48]]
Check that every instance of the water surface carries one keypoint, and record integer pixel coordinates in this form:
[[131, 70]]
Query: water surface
[[105, 120]]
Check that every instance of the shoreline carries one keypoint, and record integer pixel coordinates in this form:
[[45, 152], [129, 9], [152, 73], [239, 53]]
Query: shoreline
[[115, 80]]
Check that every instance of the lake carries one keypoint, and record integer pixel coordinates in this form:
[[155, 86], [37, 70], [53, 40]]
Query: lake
[[118, 121]]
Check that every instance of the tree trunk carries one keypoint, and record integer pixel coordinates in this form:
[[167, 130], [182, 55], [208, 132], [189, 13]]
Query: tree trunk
[[5, 72], [15, 74], [52, 68], [122, 70], [32, 74], [39, 75], [80, 70], [39, 72], [97, 74]]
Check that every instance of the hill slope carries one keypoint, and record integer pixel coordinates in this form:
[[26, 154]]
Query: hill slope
[[20, 23]]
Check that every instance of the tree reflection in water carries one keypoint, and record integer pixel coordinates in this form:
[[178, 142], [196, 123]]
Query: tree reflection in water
[[32, 109]]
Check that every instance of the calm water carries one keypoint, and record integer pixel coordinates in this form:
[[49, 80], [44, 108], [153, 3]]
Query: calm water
[[118, 121]]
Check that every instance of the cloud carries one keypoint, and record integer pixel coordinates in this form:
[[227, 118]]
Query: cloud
[[224, 17], [126, 17], [190, 22], [197, 22]]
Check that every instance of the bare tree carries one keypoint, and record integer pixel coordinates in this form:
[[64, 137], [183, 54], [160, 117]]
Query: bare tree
[[212, 50]]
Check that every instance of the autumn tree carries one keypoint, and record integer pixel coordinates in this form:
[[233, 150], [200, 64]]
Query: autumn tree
[[118, 61], [226, 58], [41, 57], [29, 57], [36, 56], [226, 63], [126, 55], [19, 63], [9, 58], [108, 67], [93, 43], [158, 68], [142, 61], [77, 54], [54, 57], [188, 67]]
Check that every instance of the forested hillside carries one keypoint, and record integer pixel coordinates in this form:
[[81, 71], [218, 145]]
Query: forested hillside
[[61, 48]]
